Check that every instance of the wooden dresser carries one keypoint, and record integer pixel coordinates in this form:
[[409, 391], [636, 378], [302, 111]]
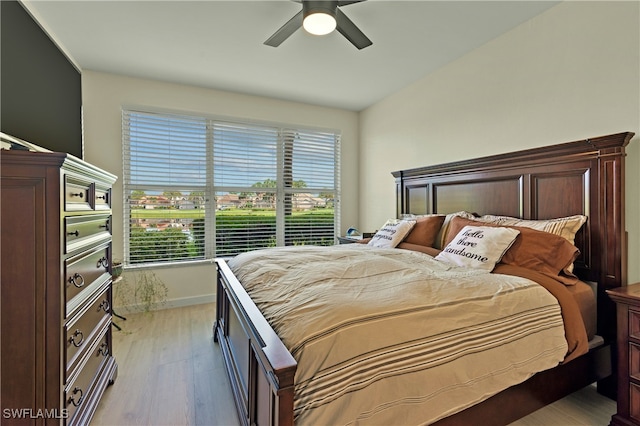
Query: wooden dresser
[[56, 358], [628, 313]]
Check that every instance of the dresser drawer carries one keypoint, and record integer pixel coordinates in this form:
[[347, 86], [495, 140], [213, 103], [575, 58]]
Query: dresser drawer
[[83, 270], [79, 332], [77, 194], [102, 198], [634, 402], [83, 231], [634, 361], [80, 386], [634, 325]]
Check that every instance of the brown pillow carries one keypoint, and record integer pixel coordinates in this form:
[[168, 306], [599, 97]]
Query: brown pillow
[[425, 230], [540, 251]]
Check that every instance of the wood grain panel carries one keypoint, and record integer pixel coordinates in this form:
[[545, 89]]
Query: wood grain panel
[[561, 194], [495, 196], [418, 198], [21, 364]]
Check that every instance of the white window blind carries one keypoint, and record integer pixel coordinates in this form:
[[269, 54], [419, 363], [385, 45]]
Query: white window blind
[[245, 180], [310, 184], [165, 187], [196, 188]]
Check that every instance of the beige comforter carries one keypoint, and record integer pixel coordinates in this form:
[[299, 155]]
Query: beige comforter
[[389, 336]]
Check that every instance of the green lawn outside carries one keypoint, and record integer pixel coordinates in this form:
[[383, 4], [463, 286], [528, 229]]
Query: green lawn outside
[[238, 230], [166, 214]]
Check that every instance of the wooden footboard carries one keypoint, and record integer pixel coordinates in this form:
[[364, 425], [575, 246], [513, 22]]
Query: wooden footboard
[[260, 368]]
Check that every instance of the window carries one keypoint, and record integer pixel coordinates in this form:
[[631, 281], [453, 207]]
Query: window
[[196, 187]]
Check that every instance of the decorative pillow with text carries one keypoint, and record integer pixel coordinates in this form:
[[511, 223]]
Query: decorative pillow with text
[[392, 233], [479, 247], [541, 251]]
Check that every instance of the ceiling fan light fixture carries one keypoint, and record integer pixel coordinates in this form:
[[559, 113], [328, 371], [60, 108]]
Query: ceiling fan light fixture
[[319, 16], [319, 23]]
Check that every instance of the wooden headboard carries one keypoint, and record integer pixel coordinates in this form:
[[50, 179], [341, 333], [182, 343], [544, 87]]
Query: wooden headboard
[[582, 177]]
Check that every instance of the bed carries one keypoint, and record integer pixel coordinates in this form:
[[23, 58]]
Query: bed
[[575, 178]]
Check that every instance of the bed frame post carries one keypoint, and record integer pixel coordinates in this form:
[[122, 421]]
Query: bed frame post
[[612, 239]]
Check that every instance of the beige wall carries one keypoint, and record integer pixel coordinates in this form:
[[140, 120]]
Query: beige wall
[[571, 73], [103, 98]]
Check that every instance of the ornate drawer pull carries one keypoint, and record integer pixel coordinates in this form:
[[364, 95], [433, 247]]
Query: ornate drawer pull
[[104, 306], [74, 233], [77, 280], [72, 399], [77, 194], [104, 349], [72, 339], [103, 263], [101, 197]]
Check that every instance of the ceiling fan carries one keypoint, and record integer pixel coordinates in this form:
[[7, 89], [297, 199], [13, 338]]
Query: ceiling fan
[[321, 17]]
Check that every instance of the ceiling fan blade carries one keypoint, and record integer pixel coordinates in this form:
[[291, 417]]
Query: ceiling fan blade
[[285, 31], [348, 2], [352, 33]]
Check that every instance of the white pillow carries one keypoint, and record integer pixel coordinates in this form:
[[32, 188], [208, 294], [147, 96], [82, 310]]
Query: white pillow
[[442, 235], [479, 247], [566, 227], [392, 233]]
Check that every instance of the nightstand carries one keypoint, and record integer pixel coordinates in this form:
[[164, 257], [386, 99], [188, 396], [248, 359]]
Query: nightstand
[[628, 343], [348, 240]]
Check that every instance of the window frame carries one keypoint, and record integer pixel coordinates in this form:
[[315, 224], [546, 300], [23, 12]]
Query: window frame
[[210, 188]]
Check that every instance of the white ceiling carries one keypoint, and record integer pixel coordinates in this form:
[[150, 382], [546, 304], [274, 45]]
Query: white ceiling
[[219, 44]]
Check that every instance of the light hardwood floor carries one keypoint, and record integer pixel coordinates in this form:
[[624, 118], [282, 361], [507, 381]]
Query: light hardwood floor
[[170, 372]]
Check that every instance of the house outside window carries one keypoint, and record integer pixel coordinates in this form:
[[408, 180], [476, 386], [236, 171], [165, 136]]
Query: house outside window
[[196, 188]]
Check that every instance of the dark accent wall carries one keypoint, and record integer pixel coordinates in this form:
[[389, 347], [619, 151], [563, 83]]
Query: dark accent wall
[[41, 89]]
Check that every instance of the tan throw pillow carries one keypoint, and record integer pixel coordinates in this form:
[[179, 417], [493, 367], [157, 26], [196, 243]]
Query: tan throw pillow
[[425, 231], [566, 227], [479, 247], [392, 233]]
